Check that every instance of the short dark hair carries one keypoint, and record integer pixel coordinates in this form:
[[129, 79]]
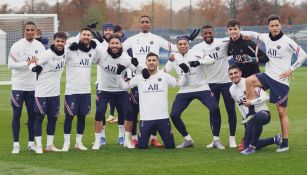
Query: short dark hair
[[233, 23], [115, 36], [272, 18], [206, 26], [145, 16], [234, 66], [117, 28], [86, 28], [60, 35], [29, 23], [152, 54]]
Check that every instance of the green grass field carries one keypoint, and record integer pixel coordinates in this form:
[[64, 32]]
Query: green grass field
[[113, 159]]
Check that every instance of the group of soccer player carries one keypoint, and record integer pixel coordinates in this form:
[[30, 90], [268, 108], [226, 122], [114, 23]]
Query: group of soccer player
[[203, 73]]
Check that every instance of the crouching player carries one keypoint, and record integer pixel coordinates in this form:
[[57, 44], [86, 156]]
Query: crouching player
[[254, 124], [49, 68], [153, 93]]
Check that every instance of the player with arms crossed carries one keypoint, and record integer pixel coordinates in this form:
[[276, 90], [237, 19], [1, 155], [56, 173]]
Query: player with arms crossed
[[49, 68], [79, 58], [153, 99], [279, 49], [21, 55], [262, 116]]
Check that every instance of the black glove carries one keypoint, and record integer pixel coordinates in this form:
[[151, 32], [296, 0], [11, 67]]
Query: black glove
[[120, 68], [184, 67], [145, 73], [38, 69], [194, 63], [194, 34], [92, 25], [135, 61], [97, 36], [74, 46]]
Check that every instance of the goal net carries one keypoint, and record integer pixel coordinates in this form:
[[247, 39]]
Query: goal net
[[11, 30]]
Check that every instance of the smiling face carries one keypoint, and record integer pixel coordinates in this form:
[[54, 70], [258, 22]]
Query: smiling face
[[29, 32], [235, 75], [208, 35], [234, 32], [86, 37], [59, 43], [115, 45], [152, 63], [183, 46]]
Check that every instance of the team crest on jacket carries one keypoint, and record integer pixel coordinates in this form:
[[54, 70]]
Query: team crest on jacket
[[278, 47], [217, 49], [36, 51], [90, 55], [151, 42], [159, 79]]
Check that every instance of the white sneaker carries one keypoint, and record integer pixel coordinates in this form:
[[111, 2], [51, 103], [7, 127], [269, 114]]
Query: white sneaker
[[16, 150], [52, 148], [128, 144], [65, 147], [111, 117], [80, 146], [32, 148], [216, 144], [96, 145], [232, 142], [39, 150]]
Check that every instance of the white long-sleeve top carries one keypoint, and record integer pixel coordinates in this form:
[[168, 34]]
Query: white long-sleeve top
[[21, 52], [196, 78], [237, 92]]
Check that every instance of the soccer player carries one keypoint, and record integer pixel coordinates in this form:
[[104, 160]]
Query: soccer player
[[79, 58], [196, 88], [49, 68], [112, 62], [141, 44], [279, 49], [22, 53], [254, 126], [246, 53], [153, 93], [217, 77]]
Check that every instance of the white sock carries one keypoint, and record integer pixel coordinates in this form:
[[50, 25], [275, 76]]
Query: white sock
[[38, 140], [134, 137], [67, 138], [16, 144], [97, 137], [121, 131], [103, 131], [232, 138], [188, 137], [152, 137], [216, 138], [79, 138], [127, 136], [31, 143], [50, 140]]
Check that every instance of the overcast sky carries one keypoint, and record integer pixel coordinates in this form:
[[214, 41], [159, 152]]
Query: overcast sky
[[177, 4]]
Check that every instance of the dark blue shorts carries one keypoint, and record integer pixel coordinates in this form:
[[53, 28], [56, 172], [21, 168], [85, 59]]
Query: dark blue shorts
[[77, 104], [121, 101], [278, 91], [164, 128], [18, 97], [47, 105]]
